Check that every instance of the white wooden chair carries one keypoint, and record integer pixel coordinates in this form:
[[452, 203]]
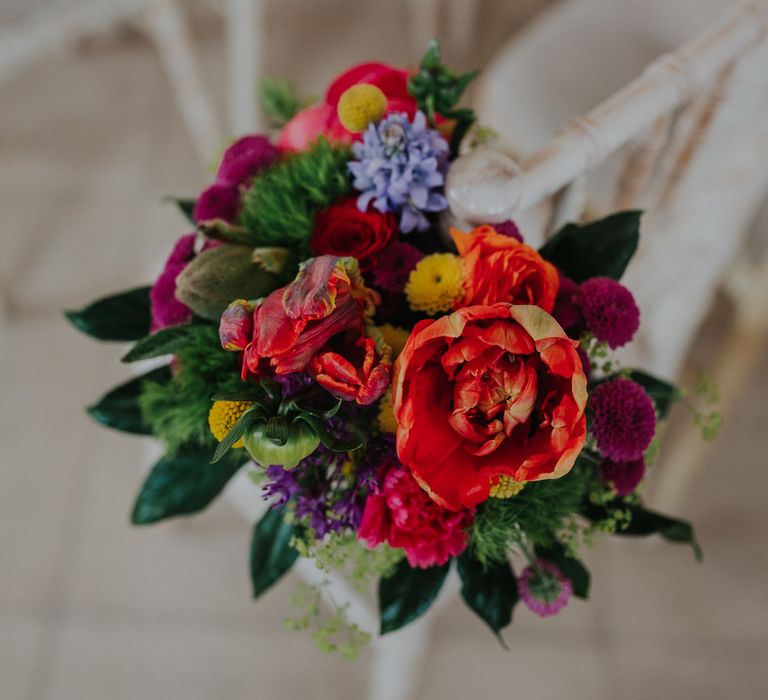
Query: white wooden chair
[[694, 125]]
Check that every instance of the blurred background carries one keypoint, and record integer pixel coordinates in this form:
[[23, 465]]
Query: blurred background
[[91, 137]]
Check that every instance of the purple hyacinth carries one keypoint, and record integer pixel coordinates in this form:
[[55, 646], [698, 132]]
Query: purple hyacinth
[[400, 167], [624, 420]]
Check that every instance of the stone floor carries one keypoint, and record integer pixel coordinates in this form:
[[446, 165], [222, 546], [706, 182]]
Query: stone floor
[[91, 608]]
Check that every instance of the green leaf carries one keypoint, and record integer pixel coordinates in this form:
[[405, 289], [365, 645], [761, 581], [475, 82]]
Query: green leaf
[[645, 522], [663, 393], [491, 591], [271, 552], [279, 101], [123, 316], [240, 428], [119, 409], [571, 568], [163, 342], [186, 206], [407, 593], [599, 249], [184, 483]]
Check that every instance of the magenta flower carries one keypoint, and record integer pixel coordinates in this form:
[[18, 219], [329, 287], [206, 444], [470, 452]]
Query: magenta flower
[[509, 228], [394, 264], [165, 308], [543, 588], [609, 310], [566, 310], [624, 421], [624, 476], [218, 202]]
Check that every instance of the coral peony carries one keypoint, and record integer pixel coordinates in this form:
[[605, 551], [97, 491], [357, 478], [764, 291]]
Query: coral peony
[[401, 514], [488, 391], [323, 119], [500, 268]]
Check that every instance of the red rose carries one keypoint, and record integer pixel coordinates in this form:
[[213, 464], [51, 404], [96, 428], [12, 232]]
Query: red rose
[[343, 230], [402, 514], [322, 119], [501, 268], [293, 328], [488, 391]]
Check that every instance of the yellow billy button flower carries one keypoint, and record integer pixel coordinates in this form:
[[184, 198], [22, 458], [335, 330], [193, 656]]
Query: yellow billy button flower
[[223, 415], [394, 336], [359, 106], [386, 417], [506, 487], [436, 283]]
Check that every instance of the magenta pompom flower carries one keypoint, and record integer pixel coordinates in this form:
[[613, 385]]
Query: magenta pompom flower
[[543, 588], [609, 310], [624, 476], [217, 202], [394, 265], [624, 419]]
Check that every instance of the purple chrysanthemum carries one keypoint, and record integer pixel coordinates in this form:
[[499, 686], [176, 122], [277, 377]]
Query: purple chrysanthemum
[[395, 263], [624, 419], [400, 167], [609, 309], [624, 476], [567, 312], [509, 228], [543, 588]]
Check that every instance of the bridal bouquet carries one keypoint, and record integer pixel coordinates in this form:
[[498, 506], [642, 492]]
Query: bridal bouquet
[[405, 395]]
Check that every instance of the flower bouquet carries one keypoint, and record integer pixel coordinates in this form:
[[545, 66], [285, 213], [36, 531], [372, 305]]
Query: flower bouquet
[[407, 396]]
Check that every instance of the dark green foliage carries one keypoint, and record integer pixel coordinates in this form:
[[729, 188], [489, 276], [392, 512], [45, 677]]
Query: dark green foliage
[[490, 591], [643, 522], [407, 594], [183, 483], [438, 90], [163, 342], [119, 409], [123, 316], [598, 249], [663, 393], [178, 410], [539, 511], [280, 207], [271, 552], [186, 207], [279, 101], [571, 568]]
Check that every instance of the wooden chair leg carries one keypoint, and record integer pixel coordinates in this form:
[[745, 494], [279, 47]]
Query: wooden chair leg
[[165, 24]]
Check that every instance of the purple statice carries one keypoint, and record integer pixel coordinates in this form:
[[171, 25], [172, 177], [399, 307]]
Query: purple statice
[[400, 167], [624, 419]]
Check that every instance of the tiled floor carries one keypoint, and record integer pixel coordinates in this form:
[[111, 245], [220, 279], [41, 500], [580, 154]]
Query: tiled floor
[[91, 608]]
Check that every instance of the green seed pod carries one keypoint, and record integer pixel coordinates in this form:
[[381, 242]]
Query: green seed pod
[[217, 276], [289, 444]]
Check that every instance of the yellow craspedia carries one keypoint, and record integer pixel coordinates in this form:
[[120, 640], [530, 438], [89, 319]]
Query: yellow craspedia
[[223, 415], [386, 418], [394, 336], [506, 487], [435, 283], [360, 105]]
